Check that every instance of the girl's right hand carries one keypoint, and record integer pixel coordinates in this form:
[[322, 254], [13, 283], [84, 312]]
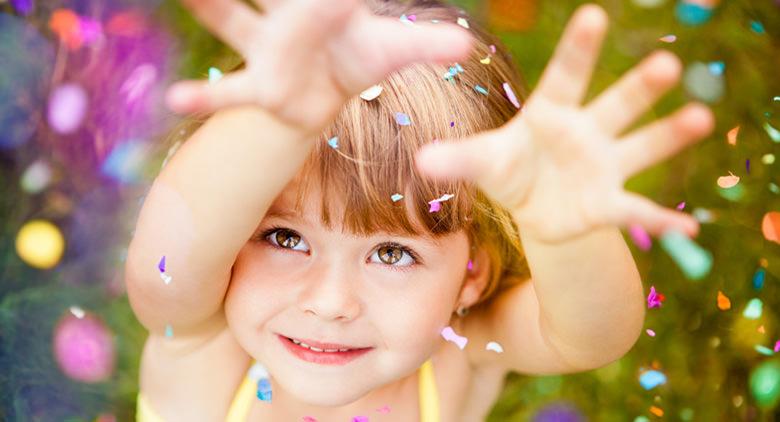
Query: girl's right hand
[[305, 58]]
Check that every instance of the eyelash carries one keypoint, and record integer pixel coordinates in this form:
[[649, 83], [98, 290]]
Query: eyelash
[[264, 235]]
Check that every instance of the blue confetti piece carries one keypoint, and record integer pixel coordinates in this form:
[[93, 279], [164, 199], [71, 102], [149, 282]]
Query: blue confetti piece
[[758, 278], [402, 119], [757, 27], [264, 389], [651, 379], [692, 14], [334, 142], [396, 197], [480, 90], [753, 309], [716, 68], [694, 261], [125, 162]]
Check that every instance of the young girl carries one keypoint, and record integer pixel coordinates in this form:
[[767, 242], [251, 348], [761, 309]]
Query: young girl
[[313, 254]]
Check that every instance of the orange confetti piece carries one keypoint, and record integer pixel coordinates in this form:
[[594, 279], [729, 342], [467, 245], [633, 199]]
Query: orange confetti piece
[[770, 225], [728, 181], [656, 411], [763, 262], [65, 23], [724, 303], [732, 135], [762, 330]]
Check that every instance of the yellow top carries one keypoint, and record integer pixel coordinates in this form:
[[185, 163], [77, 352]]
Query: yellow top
[[246, 393]]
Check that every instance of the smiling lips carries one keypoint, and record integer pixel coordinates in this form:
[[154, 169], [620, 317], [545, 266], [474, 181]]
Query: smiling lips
[[323, 353]]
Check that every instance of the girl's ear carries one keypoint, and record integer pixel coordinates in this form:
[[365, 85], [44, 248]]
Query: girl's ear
[[476, 278]]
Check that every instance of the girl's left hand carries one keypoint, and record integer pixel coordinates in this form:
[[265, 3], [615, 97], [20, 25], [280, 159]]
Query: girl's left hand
[[559, 167]]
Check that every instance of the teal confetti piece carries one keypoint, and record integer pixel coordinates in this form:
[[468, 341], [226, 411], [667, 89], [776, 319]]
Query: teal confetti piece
[[694, 261], [772, 132], [764, 350], [214, 75], [691, 13], [334, 142], [396, 197], [168, 331], [480, 90], [264, 389], [753, 309], [651, 379], [757, 27], [716, 68]]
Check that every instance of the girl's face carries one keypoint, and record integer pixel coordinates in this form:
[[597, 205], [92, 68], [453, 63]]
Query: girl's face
[[386, 295]]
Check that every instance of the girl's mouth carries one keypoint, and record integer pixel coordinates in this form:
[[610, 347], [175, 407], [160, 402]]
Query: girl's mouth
[[326, 353]]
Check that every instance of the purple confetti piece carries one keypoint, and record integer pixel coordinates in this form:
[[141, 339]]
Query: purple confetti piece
[[161, 264], [23, 7], [511, 95], [653, 300], [435, 206], [747, 165], [640, 237], [402, 119], [449, 334], [452, 124]]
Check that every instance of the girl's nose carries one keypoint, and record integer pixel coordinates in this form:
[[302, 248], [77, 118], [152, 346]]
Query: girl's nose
[[330, 294]]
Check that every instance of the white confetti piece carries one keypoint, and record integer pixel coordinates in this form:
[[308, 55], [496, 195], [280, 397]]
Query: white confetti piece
[[463, 22], [494, 347], [371, 93], [449, 334]]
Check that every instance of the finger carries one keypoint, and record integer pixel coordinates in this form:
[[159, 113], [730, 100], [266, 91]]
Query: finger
[[660, 140], [231, 21], [566, 78], [622, 103], [201, 96], [655, 219], [404, 44]]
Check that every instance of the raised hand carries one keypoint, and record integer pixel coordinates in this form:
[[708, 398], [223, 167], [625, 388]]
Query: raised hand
[[560, 166], [305, 58]]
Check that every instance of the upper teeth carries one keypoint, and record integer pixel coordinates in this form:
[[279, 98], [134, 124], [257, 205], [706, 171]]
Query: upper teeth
[[317, 349]]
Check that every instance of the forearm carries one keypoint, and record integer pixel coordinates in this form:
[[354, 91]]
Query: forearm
[[590, 295], [201, 210]]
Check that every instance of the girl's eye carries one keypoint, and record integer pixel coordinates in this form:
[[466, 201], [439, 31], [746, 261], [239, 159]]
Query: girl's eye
[[389, 254]]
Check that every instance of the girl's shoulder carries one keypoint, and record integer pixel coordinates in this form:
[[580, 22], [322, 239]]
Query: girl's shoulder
[[192, 378]]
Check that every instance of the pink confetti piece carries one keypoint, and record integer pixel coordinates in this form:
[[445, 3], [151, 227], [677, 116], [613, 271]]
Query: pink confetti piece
[[91, 29], [412, 18], [728, 181], [654, 299], [777, 346], [492, 48], [650, 332], [139, 82], [449, 334], [384, 409], [360, 419], [511, 95], [681, 206], [435, 206], [640, 237], [68, 105], [309, 419], [470, 265], [668, 38]]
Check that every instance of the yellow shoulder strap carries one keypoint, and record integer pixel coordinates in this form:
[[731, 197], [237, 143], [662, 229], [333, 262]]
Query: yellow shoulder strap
[[429, 397], [242, 401], [144, 412]]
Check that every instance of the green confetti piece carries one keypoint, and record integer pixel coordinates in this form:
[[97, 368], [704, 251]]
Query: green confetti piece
[[733, 194], [753, 309], [694, 261], [774, 188], [764, 350]]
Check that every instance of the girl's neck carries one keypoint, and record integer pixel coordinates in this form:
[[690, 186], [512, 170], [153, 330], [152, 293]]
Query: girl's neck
[[396, 395]]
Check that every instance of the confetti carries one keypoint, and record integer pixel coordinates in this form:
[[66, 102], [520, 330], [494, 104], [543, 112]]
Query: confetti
[[777, 98], [777, 346], [470, 265], [757, 27], [480, 89], [23, 7], [716, 68], [668, 38], [691, 13], [402, 119], [397, 197], [728, 181], [360, 419], [764, 350], [732, 135], [161, 264], [492, 49], [126, 161], [463, 22], [449, 334], [768, 159], [77, 312], [703, 215], [65, 23], [694, 261], [436, 203], [495, 347], [702, 84], [723, 302], [747, 166], [650, 332], [215, 75], [334, 142], [651, 379], [406, 20], [511, 95], [36, 177], [753, 309], [371, 93], [640, 237], [453, 71], [772, 132], [761, 329], [68, 105], [384, 409], [773, 187], [168, 331], [654, 299], [138, 83], [264, 389], [309, 419], [40, 244], [758, 278], [657, 411], [681, 206], [770, 226], [486, 60]]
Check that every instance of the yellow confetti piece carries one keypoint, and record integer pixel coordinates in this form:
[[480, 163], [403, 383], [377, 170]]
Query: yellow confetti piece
[[728, 181], [732, 135], [486, 60], [724, 303]]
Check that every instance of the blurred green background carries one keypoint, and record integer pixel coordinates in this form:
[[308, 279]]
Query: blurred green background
[[719, 364]]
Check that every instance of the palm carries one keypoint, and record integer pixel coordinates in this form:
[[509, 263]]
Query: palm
[[560, 166], [305, 58]]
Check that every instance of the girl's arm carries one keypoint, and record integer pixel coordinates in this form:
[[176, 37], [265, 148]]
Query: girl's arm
[[304, 60], [201, 210]]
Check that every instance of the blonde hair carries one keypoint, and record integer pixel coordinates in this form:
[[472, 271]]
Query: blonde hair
[[375, 155]]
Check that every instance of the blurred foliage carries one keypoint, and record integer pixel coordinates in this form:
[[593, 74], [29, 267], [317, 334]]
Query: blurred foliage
[[707, 354]]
